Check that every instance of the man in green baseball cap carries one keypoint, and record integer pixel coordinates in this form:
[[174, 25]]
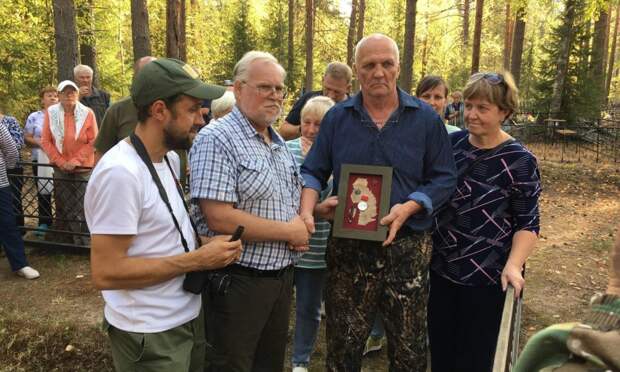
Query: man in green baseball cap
[[167, 77], [143, 242]]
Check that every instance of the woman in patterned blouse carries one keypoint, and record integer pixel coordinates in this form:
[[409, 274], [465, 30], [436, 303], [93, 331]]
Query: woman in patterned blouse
[[482, 247]]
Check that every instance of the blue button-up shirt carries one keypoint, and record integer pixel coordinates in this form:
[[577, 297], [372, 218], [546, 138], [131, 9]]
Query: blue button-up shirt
[[414, 142], [231, 162]]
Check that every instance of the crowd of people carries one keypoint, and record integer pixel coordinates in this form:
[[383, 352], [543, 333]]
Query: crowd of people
[[207, 284], [61, 134]]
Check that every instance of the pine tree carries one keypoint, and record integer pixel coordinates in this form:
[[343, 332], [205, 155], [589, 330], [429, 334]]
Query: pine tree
[[580, 96], [242, 39]]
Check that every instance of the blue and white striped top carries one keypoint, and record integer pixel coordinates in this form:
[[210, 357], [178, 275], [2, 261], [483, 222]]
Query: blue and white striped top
[[315, 257], [8, 154]]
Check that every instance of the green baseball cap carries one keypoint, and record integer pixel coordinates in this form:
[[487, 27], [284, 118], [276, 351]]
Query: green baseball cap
[[167, 77]]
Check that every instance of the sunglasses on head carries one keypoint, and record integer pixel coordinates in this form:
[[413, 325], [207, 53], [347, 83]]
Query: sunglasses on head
[[492, 77]]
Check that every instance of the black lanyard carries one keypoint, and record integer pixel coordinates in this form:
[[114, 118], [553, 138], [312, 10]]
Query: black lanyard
[[141, 150]]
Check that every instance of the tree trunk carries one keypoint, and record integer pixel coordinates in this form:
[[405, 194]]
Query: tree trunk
[[607, 30], [424, 57], [612, 57], [517, 44], [562, 61], [360, 20], [599, 46], [507, 36], [309, 44], [351, 37], [290, 55], [175, 29], [140, 34], [88, 48], [182, 34], [66, 38], [409, 47], [465, 23], [475, 55]]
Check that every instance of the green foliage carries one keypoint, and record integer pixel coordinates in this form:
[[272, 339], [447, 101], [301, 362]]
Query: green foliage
[[27, 60], [241, 38], [275, 38], [581, 97], [219, 32]]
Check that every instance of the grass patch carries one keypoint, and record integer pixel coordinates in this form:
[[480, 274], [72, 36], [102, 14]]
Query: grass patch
[[51, 346], [602, 245]]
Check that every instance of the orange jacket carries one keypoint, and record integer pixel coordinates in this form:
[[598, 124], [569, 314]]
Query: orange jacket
[[81, 150]]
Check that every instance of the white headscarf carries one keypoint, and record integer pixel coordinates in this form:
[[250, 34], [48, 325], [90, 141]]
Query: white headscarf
[[57, 121]]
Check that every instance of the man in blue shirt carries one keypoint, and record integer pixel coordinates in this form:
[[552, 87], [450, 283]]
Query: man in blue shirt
[[381, 125]]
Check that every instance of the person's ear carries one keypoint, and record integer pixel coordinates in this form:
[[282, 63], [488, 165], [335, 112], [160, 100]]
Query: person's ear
[[158, 110]]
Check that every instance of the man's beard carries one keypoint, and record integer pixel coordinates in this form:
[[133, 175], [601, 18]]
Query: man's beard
[[175, 141]]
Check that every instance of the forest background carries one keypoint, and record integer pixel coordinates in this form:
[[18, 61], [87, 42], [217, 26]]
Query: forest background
[[562, 52]]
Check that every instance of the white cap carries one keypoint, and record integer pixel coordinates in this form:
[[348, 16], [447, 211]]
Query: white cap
[[67, 83]]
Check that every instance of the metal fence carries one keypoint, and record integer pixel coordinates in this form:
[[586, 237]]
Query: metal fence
[[553, 139], [50, 209]]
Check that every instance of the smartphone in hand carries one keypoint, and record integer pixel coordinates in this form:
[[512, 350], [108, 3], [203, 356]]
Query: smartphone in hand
[[237, 234]]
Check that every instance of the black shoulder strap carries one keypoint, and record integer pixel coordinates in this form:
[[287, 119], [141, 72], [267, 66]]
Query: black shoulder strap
[[182, 196], [141, 150]]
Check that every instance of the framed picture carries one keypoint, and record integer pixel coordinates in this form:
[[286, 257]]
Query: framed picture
[[363, 199]]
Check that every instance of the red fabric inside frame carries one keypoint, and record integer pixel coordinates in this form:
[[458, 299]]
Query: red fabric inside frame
[[351, 212]]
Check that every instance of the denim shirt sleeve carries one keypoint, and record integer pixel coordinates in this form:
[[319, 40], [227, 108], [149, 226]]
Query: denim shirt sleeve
[[439, 169], [317, 167]]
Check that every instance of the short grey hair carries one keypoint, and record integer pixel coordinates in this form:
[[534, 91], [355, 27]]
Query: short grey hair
[[377, 37], [222, 104], [82, 68], [240, 72], [317, 106], [339, 71]]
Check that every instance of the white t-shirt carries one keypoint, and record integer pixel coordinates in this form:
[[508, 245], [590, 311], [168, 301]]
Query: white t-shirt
[[122, 199]]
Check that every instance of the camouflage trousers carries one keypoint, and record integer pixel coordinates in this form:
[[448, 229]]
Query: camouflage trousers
[[365, 278]]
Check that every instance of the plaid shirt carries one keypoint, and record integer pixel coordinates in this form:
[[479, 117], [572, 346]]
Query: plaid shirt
[[231, 162]]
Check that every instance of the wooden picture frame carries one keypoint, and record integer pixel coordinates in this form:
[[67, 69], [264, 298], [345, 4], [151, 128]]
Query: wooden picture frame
[[363, 199]]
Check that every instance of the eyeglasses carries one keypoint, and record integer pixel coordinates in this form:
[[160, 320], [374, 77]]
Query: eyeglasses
[[266, 90], [492, 77]]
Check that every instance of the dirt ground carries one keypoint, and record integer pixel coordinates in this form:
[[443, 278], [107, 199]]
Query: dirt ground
[[52, 323]]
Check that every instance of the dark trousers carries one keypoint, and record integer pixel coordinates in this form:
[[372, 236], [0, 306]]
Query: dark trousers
[[463, 325], [44, 201], [17, 182], [247, 328], [10, 238], [365, 278], [69, 190]]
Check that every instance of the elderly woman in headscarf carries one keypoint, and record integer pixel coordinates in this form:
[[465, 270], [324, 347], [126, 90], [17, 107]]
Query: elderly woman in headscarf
[[69, 132]]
